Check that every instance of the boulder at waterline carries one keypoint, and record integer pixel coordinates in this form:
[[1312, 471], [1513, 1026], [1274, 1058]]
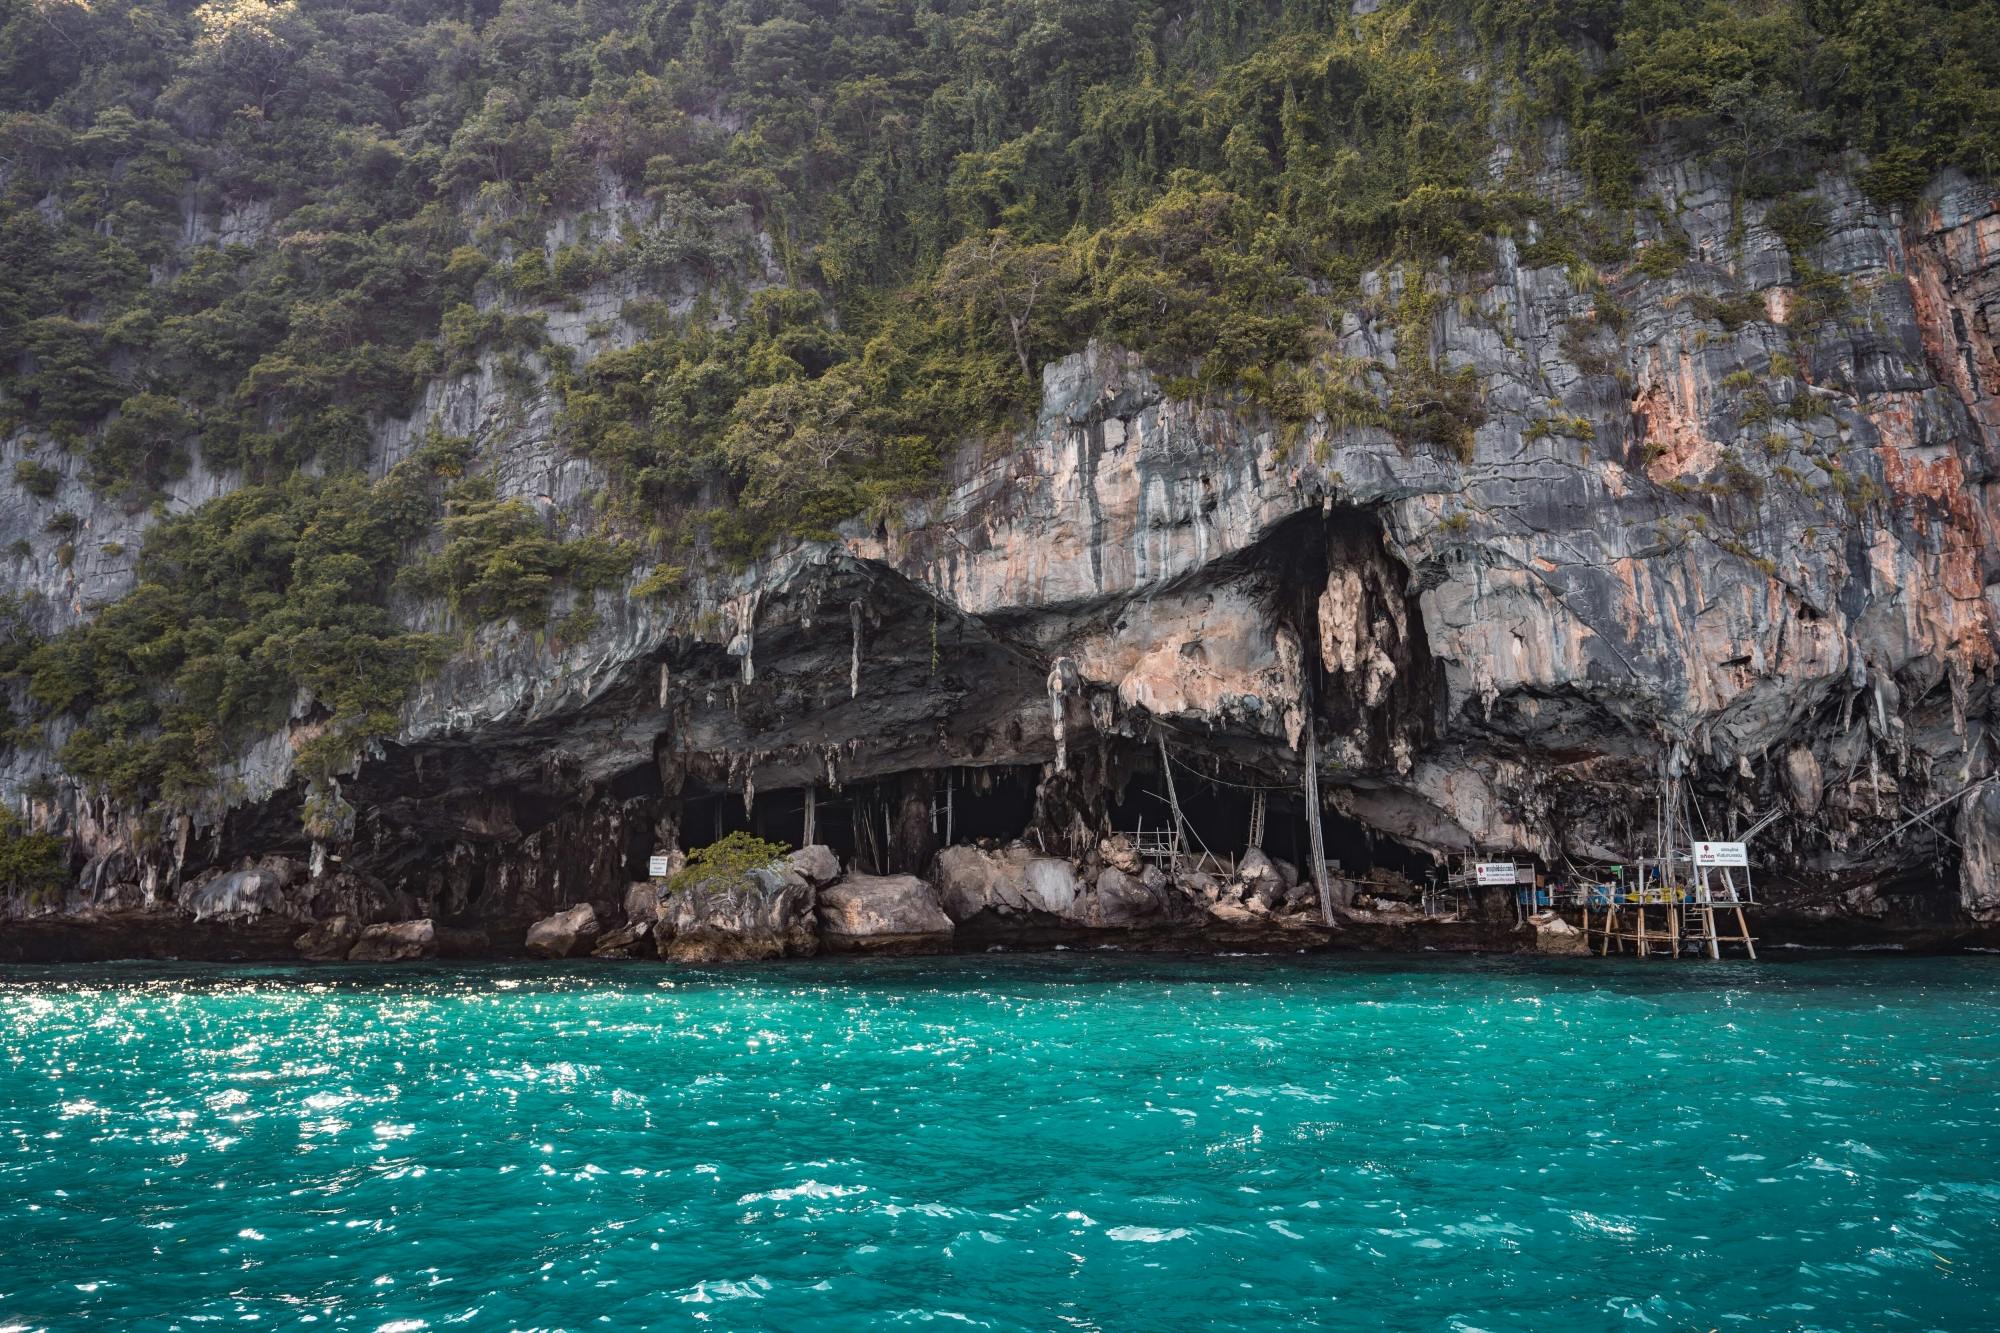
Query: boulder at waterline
[[624, 942], [1557, 936], [766, 913], [1012, 882], [816, 863], [395, 942], [572, 930], [329, 940], [882, 914]]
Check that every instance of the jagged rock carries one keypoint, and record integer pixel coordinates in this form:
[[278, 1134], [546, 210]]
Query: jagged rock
[[817, 864], [1302, 898], [1554, 935], [1863, 902], [624, 942], [1979, 863], [395, 942], [563, 933], [254, 891], [1263, 884], [1803, 779], [1123, 901], [764, 914], [1201, 887], [328, 940], [642, 903], [882, 914], [1015, 881], [1118, 853], [362, 897]]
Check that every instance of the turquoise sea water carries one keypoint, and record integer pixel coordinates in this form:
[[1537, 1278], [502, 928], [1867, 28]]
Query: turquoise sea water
[[1049, 1142]]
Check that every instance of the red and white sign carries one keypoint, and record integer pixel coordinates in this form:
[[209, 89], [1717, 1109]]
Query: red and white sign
[[1721, 854]]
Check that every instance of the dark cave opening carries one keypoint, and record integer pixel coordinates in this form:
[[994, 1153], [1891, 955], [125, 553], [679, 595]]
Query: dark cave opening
[[1218, 812], [866, 824], [988, 803]]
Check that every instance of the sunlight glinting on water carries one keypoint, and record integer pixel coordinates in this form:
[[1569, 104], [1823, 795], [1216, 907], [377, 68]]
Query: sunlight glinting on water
[[1056, 1141]]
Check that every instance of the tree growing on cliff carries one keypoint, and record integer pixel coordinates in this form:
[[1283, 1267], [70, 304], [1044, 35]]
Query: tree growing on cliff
[[1000, 276], [32, 865]]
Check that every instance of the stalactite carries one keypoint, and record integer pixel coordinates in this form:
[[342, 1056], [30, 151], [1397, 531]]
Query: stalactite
[[743, 643], [1063, 677], [854, 663]]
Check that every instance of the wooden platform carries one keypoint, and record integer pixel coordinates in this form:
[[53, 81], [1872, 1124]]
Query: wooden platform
[[1666, 922]]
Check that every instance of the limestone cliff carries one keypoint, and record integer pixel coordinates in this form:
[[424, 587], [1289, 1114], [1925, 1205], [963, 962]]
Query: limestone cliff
[[1693, 537]]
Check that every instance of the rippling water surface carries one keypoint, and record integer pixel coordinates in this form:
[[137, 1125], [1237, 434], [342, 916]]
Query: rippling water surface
[[1059, 1141]]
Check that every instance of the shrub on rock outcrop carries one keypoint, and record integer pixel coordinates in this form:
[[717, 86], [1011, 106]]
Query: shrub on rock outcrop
[[33, 865], [728, 860]]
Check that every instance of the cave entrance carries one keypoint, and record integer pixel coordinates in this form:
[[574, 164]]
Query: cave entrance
[[1218, 809], [708, 817], [890, 825], [986, 804]]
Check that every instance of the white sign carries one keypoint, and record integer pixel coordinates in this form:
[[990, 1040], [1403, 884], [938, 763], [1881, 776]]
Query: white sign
[[1721, 854], [1497, 872], [656, 866]]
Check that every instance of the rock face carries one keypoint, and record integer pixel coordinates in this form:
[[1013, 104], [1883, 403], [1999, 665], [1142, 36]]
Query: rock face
[[763, 914], [642, 903], [1979, 868], [563, 934], [395, 942], [883, 914], [259, 890], [1712, 528]]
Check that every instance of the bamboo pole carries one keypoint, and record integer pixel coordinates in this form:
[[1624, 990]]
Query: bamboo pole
[[1312, 823]]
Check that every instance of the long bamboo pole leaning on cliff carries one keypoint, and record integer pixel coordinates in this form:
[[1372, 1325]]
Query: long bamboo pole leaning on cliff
[[1181, 829], [1927, 811], [1312, 823]]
